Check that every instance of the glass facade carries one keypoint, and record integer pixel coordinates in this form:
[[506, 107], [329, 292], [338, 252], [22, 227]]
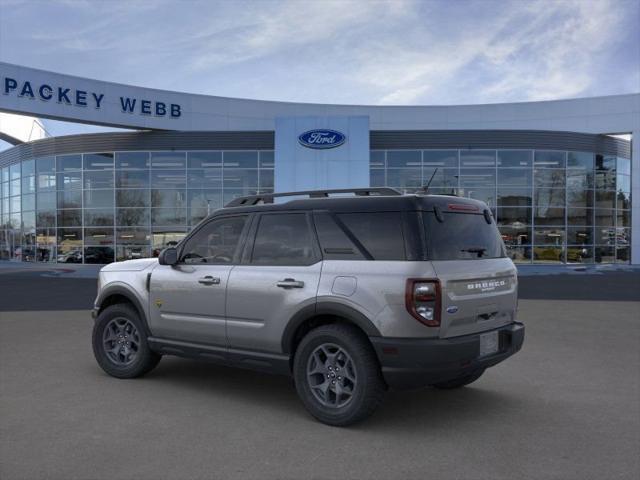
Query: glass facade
[[551, 206], [106, 206]]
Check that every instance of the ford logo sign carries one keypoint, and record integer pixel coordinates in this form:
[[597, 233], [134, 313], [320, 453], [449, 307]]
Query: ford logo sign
[[452, 309], [322, 138]]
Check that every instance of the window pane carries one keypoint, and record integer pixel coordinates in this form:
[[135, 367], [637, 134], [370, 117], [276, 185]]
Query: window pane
[[379, 233], [132, 179], [240, 178], [605, 254], [605, 235], [69, 180], [516, 235], [623, 254], [98, 198], [98, 217], [404, 158], [515, 158], [514, 197], [377, 178], [579, 254], [132, 198], [605, 199], [283, 240], [43, 165], [98, 236], [623, 166], [168, 160], [46, 218], [28, 184], [546, 197], [376, 158], [46, 201], [579, 216], [168, 198], [133, 236], [548, 254], [132, 216], [29, 202], [205, 178], [98, 179], [579, 178], [70, 199], [168, 216], [580, 235], [605, 163], [99, 254], [486, 195], [168, 179], [335, 244], [404, 177], [132, 252], [514, 216], [624, 218], [440, 158], [549, 159], [549, 178], [477, 177], [69, 162], [444, 178], [578, 197], [70, 218], [549, 236], [98, 161], [132, 160], [204, 159], [548, 216], [623, 183], [215, 243], [266, 179], [240, 159], [584, 160], [514, 176], [28, 168], [519, 254], [604, 217], [267, 159], [477, 158]]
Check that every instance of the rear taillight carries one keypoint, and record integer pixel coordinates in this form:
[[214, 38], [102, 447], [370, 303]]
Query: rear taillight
[[423, 301]]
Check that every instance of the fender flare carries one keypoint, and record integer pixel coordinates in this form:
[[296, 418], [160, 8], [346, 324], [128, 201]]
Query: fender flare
[[129, 295], [326, 308]]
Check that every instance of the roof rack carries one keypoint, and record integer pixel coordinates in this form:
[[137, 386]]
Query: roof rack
[[268, 197]]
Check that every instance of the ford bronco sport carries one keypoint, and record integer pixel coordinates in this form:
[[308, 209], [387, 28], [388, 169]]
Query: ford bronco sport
[[350, 295]]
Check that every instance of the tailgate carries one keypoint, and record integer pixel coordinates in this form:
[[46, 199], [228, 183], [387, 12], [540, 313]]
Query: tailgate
[[477, 295]]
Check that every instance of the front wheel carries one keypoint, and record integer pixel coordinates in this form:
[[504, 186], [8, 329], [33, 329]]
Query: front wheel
[[337, 375], [120, 343], [459, 382]]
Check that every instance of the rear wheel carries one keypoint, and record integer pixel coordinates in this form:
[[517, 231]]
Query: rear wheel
[[459, 382], [120, 343], [337, 375]]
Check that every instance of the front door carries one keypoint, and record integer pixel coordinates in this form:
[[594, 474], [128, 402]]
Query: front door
[[187, 300], [279, 276]]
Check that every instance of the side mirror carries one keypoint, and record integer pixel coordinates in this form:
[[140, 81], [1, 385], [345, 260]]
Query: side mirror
[[168, 256]]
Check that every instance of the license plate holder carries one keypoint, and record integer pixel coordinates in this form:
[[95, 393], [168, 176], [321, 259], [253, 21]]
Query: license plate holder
[[489, 343]]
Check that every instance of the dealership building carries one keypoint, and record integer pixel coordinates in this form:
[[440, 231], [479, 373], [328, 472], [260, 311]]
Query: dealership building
[[561, 177]]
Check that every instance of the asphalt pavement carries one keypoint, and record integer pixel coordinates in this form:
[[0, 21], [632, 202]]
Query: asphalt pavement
[[566, 407]]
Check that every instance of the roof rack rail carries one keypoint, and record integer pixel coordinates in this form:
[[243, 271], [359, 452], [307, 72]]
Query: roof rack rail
[[269, 197]]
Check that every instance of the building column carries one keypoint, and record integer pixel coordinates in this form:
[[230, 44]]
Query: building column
[[635, 197]]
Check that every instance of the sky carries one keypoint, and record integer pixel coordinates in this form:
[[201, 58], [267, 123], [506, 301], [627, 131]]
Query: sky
[[396, 52]]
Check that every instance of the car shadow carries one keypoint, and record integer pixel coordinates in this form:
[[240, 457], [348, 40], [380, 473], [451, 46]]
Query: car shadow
[[402, 411]]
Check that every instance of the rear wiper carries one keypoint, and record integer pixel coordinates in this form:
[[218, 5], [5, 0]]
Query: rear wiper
[[480, 251]]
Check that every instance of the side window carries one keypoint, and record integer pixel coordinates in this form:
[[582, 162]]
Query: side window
[[216, 243], [334, 242], [283, 239], [380, 233]]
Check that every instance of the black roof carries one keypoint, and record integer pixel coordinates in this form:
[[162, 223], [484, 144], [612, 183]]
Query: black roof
[[377, 203]]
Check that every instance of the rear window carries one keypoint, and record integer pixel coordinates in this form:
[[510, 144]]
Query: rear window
[[462, 236]]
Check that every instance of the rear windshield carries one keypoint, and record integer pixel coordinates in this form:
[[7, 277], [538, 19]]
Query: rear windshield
[[462, 236]]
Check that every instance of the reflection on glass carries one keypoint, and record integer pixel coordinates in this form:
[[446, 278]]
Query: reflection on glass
[[515, 158], [97, 161], [404, 159], [477, 158]]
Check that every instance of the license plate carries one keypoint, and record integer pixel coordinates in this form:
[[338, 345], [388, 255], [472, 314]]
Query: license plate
[[488, 343]]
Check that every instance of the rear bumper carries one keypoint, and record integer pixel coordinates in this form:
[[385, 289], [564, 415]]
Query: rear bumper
[[412, 363]]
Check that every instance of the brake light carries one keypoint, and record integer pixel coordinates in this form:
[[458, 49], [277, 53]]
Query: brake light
[[463, 207], [422, 298]]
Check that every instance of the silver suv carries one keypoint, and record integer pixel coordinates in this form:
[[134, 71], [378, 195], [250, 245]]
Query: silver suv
[[348, 294]]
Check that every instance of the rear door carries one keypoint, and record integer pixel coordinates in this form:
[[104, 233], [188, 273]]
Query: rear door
[[478, 282], [278, 277]]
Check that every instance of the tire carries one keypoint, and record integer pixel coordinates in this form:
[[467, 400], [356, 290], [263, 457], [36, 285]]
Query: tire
[[459, 382], [340, 354], [119, 326]]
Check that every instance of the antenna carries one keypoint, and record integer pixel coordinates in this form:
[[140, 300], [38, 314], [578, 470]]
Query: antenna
[[425, 188]]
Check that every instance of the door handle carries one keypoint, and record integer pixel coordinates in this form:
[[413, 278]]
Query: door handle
[[209, 280], [290, 283]]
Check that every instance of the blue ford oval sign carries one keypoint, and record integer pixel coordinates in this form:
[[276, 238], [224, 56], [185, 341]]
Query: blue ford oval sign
[[322, 138]]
